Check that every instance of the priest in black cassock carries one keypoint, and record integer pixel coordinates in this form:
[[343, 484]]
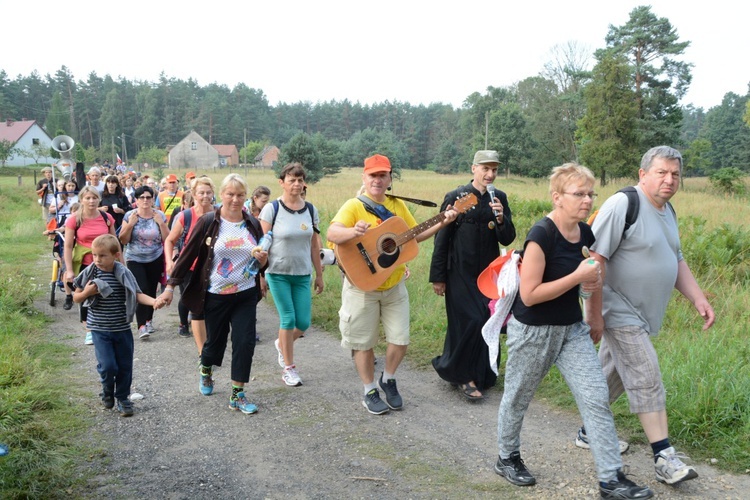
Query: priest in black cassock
[[462, 251]]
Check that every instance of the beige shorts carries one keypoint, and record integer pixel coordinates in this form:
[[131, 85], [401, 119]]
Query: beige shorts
[[362, 313], [630, 365]]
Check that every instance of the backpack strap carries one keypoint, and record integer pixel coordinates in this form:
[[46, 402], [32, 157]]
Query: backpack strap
[[375, 209], [308, 206], [634, 206]]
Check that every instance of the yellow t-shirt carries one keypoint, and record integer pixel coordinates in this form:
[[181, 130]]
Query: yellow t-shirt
[[354, 210]]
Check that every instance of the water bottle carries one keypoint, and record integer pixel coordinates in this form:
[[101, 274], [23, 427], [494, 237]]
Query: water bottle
[[587, 255], [264, 244]]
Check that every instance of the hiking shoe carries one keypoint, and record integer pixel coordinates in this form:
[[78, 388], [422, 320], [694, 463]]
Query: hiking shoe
[[107, 400], [392, 397], [622, 487], [183, 331], [670, 468], [150, 326], [514, 470], [68, 303], [143, 333], [582, 441], [374, 404], [291, 377], [242, 404], [89, 340], [281, 356], [206, 384], [125, 407]]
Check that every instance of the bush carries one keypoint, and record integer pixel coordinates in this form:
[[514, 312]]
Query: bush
[[728, 180]]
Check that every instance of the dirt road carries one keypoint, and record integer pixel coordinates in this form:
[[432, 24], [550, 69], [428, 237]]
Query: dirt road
[[317, 441]]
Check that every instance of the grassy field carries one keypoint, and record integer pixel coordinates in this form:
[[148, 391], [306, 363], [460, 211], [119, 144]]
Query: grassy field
[[707, 374]]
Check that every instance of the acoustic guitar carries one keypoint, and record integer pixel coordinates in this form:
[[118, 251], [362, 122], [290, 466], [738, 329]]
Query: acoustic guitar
[[369, 259]]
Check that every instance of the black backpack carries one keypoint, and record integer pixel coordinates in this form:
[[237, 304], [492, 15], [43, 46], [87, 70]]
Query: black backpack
[[634, 206]]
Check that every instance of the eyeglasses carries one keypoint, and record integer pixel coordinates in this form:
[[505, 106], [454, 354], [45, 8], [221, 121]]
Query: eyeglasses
[[581, 195], [145, 197]]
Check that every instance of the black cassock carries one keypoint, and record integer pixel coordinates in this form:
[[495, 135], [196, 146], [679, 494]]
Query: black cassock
[[462, 251]]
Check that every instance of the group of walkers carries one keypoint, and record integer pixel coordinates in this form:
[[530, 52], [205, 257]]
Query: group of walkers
[[224, 258]]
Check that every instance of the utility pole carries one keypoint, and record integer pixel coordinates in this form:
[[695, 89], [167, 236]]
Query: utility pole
[[244, 149], [486, 128]]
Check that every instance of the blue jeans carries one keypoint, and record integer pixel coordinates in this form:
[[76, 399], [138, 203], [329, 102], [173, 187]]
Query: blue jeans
[[114, 353]]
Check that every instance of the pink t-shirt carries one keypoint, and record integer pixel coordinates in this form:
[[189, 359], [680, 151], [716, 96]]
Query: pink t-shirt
[[89, 230], [180, 217]]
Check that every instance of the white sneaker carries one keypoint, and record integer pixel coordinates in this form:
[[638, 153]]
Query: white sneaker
[[143, 333], [670, 468], [582, 441], [89, 339], [291, 377], [150, 326], [281, 356]]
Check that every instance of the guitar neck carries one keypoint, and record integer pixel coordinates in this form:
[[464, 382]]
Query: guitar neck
[[419, 229]]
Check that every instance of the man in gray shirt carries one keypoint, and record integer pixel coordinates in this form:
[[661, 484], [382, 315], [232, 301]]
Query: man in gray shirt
[[640, 267]]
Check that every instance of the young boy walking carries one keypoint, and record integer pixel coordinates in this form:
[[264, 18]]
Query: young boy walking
[[110, 292]]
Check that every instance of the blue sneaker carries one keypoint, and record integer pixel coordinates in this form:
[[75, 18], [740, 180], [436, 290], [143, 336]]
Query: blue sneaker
[[242, 404], [89, 339], [206, 384]]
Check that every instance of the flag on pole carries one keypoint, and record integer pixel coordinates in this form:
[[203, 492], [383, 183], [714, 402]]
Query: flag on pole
[[119, 161]]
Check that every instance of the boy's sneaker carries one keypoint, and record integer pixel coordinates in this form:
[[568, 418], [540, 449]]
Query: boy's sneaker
[[281, 356], [143, 333], [150, 326], [374, 404], [125, 407], [514, 470], [89, 340], [68, 305], [670, 468], [242, 404], [291, 377], [206, 384], [582, 441], [392, 397], [622, 487], [183, 331], [108, 400]]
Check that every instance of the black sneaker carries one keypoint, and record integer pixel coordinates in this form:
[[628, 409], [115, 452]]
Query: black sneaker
[[68, 303], [392, 397], [374, 404], [514, 470], [107, 400], [125, 407], [183, 331], [622, 487]]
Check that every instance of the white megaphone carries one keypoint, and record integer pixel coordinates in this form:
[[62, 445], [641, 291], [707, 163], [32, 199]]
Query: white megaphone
[[64, 144]]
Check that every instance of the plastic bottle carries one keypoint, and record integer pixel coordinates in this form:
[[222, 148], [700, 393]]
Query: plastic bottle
[[264, 244], [587, 255]]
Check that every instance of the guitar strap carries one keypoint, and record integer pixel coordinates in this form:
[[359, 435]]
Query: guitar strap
[[375, 209]]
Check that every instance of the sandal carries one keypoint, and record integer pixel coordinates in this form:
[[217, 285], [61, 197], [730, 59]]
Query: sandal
[[469, 390]]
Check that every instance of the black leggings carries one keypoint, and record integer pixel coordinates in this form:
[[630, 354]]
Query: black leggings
[[182, 309], [148, 276]]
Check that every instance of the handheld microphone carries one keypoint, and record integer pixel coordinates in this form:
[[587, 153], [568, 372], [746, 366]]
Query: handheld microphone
[[491, 191]]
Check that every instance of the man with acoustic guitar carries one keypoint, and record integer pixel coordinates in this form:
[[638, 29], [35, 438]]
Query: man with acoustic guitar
[[363, 311]]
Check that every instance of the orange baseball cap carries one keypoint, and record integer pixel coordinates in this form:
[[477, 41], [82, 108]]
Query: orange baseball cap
[[377, 163], [190, 175], [171, 178], [487, 280]]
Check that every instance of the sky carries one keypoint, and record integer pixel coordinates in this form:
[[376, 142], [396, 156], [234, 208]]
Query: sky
[[420, 52]]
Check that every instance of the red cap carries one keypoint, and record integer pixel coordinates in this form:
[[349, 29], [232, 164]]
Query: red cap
[[377, 163], [487, 280], [190, 175], [171, 178]]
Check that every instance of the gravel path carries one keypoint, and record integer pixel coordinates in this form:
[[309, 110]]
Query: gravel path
[[317, 441]]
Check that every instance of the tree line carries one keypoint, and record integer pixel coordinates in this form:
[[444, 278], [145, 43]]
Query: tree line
[[604, 117]]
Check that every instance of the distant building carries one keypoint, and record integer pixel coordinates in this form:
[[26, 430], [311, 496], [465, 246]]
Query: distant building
[[193, 152], [268, 158], [228, 155], [25, 134]]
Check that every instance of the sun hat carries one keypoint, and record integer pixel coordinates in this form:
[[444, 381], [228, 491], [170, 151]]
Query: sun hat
[[486, 156], [377, 163]]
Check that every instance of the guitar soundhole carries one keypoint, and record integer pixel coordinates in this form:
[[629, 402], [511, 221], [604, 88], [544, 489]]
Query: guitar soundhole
[[388, 245]]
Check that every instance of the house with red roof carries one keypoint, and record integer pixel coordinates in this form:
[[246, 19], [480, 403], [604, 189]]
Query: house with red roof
[[27, 136], [228, 155]]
